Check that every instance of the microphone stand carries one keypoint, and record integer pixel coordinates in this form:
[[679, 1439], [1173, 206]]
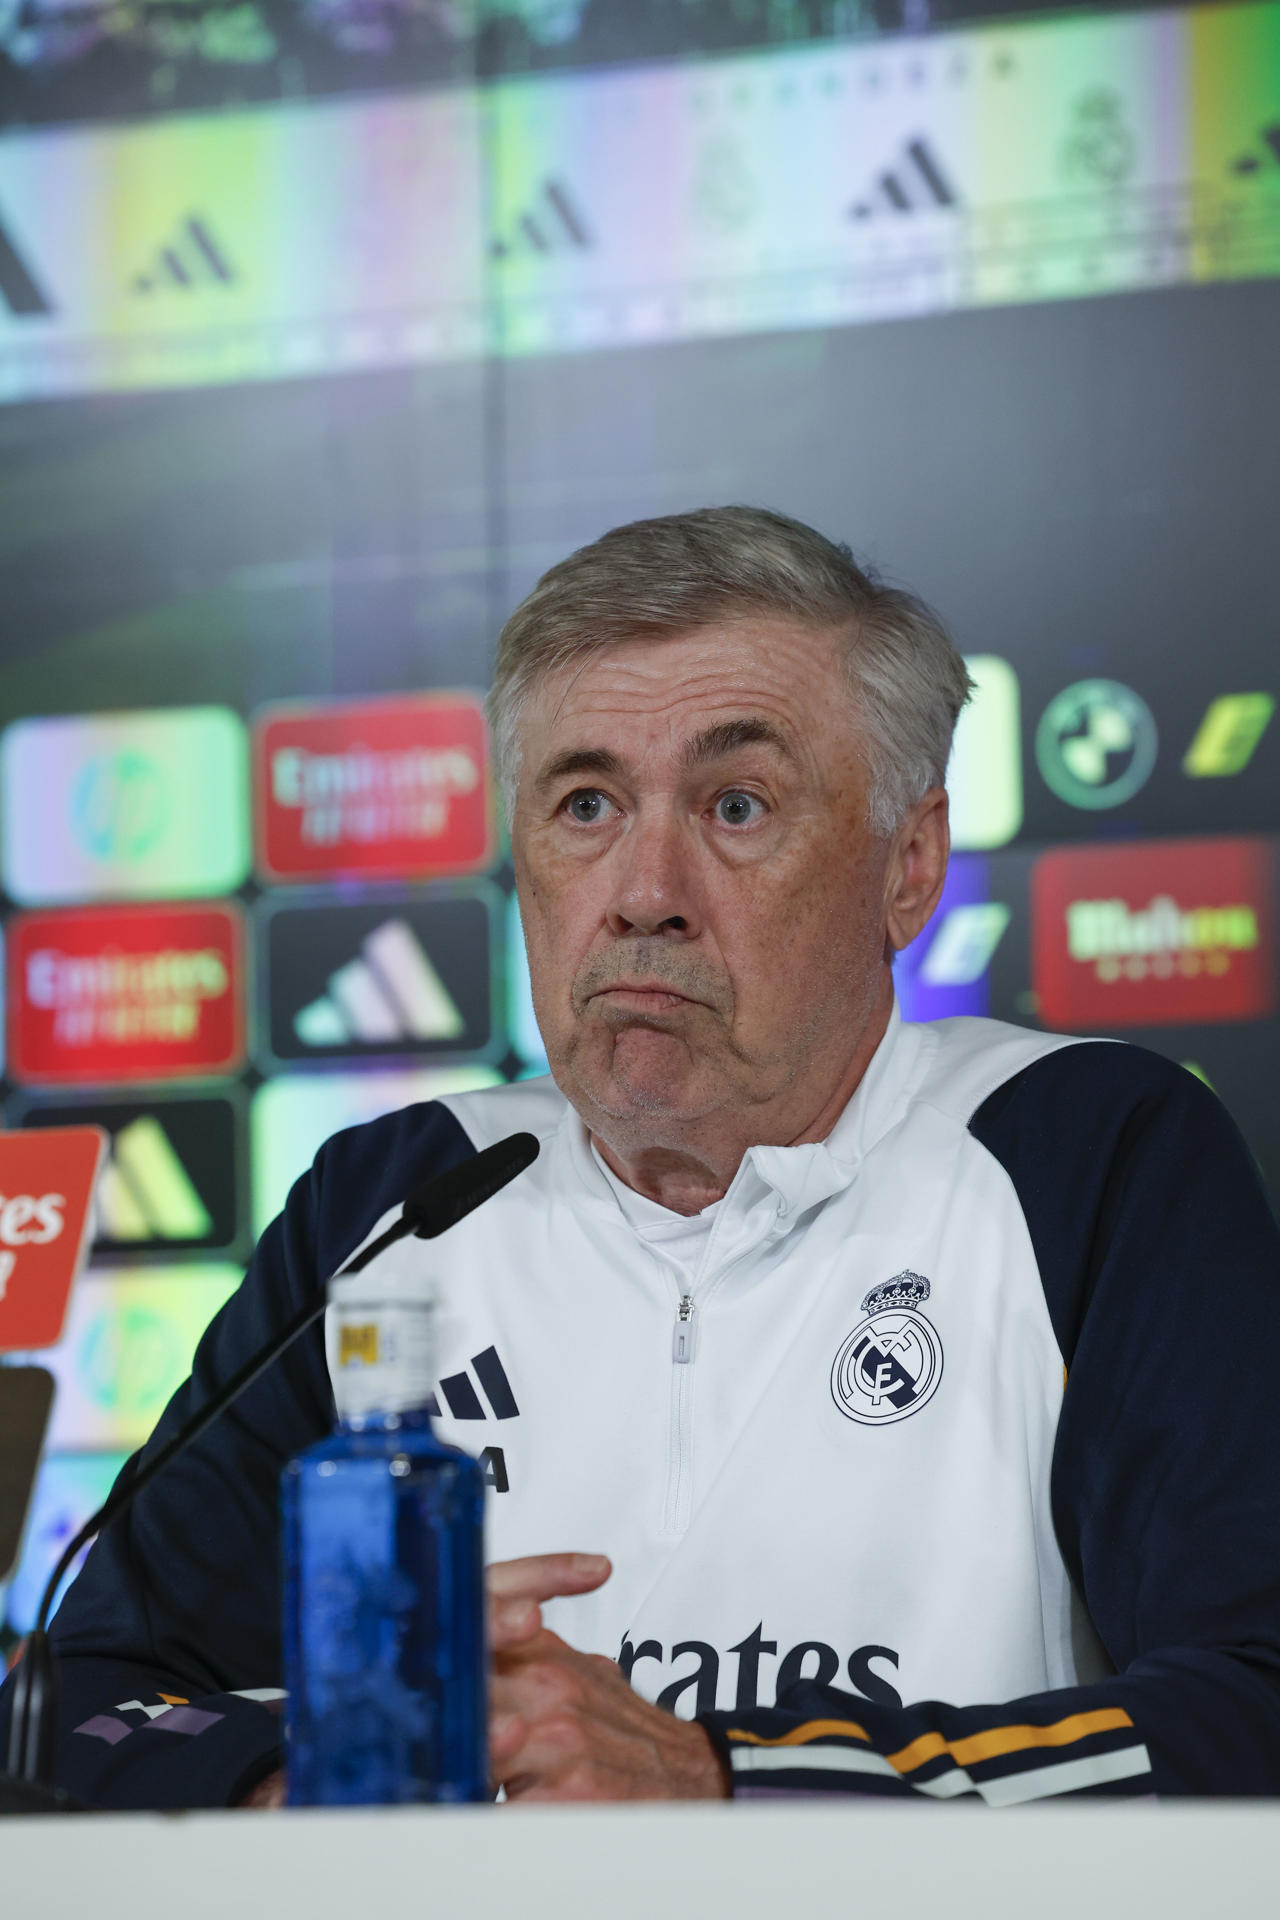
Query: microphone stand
[[430, 1209]]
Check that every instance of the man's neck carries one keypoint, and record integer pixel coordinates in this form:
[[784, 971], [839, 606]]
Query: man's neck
[[686, 1182]]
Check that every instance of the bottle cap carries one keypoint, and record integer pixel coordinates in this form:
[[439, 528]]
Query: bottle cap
[[378, 1336]]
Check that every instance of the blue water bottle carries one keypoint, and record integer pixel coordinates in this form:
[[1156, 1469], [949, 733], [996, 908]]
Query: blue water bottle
[[384, 1570]]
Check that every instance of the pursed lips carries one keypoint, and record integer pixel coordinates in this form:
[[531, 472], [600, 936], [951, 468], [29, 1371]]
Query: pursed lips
[[648, 996]]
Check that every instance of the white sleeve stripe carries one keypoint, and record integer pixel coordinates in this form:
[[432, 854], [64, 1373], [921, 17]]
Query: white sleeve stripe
[[1007, 1790], [1068, 1776], [947, 1785], [819, 1759]]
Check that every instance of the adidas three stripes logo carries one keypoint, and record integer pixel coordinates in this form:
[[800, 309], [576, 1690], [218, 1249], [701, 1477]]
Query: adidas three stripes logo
[[458, 1391]]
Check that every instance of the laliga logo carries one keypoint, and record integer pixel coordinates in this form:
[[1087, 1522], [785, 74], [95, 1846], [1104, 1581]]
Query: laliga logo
[[27, 1222], [892, 1361]]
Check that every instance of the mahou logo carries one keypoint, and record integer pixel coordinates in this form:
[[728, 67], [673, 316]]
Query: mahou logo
[[118, 994], [396, 787], [1159, 933]]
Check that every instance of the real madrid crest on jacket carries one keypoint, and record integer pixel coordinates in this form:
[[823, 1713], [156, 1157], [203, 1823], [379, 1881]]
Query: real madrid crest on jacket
[[925, 1474], [891, 1363]]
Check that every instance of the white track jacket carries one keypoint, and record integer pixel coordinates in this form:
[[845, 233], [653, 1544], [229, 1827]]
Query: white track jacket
[[948, 1468]]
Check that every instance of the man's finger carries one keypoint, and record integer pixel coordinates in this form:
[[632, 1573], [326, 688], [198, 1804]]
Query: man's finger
[[530, 1682], [512, 1624], [546, 1576], [507, 1734], [524, 1753]]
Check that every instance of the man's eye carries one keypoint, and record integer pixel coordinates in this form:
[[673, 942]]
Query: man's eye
[[737, 809], [587, 806]]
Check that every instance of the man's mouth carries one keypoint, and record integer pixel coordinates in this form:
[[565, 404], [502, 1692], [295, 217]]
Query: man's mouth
[[642, 997]]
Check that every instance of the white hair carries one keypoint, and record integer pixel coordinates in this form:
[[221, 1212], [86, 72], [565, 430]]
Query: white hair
[[655, 579]]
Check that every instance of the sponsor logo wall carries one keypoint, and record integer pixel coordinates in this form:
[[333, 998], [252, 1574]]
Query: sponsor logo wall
[[343, 934]]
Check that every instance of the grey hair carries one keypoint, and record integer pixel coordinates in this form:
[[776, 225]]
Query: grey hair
[[656, 579]]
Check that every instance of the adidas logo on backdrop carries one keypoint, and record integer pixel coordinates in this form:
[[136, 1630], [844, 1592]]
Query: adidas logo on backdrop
[[145, 1192], [404, 973], [390, 992], [170, 1183]]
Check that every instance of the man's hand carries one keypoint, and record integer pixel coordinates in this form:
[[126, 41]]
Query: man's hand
[[514, 1588], [566, 1725]]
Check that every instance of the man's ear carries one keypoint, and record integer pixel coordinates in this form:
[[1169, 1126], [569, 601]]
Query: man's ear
[[917, 868]]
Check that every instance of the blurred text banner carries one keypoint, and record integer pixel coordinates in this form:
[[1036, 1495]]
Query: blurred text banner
[[804, 187]]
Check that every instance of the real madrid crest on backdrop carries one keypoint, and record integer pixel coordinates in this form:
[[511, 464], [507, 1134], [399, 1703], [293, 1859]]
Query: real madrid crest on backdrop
[[891, 1363]]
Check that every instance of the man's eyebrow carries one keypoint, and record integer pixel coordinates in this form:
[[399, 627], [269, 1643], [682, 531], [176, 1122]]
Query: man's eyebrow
[[579, 760], [713, 743]]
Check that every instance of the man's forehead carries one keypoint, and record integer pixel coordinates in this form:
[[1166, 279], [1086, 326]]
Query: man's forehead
[[773, 672], [716, 741]]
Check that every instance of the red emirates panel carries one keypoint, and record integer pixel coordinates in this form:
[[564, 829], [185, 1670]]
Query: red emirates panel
[[1153, 934], [398, 787], [103, 995], [46, 1184]]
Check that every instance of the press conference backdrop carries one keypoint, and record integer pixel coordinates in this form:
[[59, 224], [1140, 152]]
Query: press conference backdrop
[[326, 325]]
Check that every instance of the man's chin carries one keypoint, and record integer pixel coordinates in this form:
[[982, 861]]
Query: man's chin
[[642, 1071], [628, 1097]]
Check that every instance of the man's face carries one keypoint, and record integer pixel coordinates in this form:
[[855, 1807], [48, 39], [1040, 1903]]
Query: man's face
[[704, 905]]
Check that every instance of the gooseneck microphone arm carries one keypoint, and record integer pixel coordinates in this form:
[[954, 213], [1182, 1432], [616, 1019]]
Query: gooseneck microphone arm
[[430, 1209]]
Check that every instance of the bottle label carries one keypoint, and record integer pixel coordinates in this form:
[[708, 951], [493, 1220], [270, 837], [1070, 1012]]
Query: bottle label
[[383, 1359]]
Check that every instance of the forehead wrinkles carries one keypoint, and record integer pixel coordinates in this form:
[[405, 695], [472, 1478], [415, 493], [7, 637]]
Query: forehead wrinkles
[[784, 676]]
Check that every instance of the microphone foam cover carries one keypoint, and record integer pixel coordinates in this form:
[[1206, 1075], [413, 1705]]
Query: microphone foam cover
[[439, 1204]]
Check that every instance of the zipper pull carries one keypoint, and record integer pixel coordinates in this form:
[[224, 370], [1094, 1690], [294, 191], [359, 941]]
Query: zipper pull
[[682, 1342]]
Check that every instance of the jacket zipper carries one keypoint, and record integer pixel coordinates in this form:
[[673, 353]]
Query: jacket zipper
[[676, 1515], [682, 1340]]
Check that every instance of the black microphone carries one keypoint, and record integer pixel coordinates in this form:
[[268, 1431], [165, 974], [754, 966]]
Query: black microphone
[[430, 1209]]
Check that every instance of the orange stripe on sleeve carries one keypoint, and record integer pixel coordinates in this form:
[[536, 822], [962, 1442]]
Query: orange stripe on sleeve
[[1000, 1740], [801, 1736]]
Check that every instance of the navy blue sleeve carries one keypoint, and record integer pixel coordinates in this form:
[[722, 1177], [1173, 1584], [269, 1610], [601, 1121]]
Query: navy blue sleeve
[[1160, 1260], [168, 1642], [1161, 1266]]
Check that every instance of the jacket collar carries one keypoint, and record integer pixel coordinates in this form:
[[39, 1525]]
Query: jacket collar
[[790, 1181]]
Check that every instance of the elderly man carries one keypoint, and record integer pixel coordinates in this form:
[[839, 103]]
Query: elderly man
[[912, 1387]]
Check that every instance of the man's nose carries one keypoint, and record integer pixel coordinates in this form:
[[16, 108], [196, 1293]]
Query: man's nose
[[655, 883]]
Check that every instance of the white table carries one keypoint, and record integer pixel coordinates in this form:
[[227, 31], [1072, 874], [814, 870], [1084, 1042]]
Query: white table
[[1203, 1861]]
